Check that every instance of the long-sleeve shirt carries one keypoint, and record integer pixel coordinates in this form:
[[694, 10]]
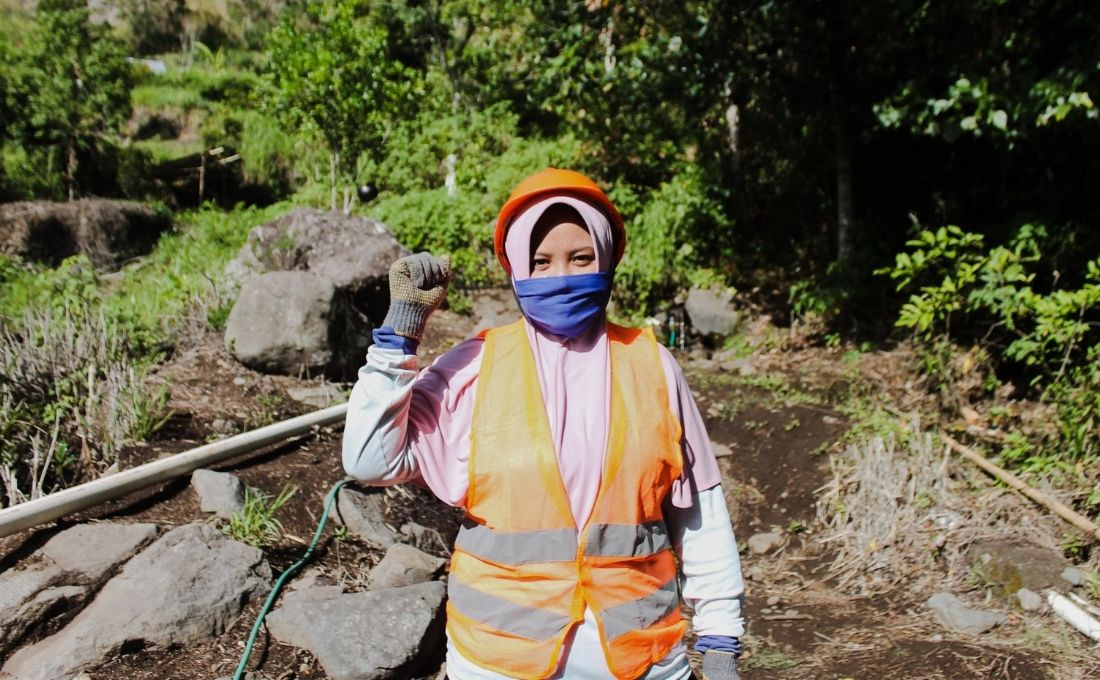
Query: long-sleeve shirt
[[404, 425]]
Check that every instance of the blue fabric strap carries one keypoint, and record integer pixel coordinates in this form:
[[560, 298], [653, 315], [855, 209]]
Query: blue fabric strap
[[386, 338], [720, 643]]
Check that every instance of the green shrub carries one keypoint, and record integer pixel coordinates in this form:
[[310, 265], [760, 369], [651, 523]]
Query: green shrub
[[182, 273], [32, 172], [462, 225], [993, 296], [665, 238], [270, 156]]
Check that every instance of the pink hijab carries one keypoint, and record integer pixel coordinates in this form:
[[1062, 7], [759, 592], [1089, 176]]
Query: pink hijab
[[575, 374]]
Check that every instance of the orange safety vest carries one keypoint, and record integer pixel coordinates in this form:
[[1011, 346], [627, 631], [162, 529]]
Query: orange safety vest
[[521, 574]]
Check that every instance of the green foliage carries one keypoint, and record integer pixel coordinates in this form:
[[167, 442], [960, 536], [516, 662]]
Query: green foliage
[[70, 86], [667, 238], [255, 523], [333, 75], [1050, 332], [67, 289], [432, 219], [162, 95], [184, 270]]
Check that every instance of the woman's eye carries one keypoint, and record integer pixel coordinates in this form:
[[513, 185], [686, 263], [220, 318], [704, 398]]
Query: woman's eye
[[583, 259], [541, 262]]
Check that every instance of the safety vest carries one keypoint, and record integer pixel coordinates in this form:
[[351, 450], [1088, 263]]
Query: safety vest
[[521, 573]]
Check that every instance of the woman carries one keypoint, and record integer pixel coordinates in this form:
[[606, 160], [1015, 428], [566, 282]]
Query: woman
[[576, 450]]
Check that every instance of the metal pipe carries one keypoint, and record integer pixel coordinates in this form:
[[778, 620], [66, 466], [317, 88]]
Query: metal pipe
[[60, 503]]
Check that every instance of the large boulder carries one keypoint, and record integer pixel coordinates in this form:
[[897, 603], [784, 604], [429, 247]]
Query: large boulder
[[353, 254], [108, 232], [39, 598], [188, 586], [712, 313], [296, 322], [388, 633]]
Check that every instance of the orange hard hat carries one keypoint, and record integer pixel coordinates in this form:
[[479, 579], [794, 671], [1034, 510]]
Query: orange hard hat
[[559, 182]]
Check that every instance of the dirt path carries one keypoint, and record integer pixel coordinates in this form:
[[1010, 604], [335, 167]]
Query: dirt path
[[772, 437]]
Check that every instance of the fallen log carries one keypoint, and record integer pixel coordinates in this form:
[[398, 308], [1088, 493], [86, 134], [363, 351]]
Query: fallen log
[[1061, 509]]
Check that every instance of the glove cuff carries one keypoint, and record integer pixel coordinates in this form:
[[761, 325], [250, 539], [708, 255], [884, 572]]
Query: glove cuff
[[720, 665], [407, 318]]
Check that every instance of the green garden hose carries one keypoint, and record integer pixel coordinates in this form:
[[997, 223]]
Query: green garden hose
[[329, 498]]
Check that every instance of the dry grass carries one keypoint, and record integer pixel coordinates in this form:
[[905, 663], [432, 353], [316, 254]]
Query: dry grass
[[906, 513], [69, 393]]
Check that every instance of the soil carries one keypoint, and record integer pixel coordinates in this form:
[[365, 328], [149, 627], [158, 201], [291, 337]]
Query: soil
[[802, 625]]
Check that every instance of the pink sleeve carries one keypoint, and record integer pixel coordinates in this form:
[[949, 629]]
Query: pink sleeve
[[700, 466], [440, 414]]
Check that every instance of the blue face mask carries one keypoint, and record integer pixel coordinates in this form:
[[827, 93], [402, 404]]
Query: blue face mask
[[564, 305]]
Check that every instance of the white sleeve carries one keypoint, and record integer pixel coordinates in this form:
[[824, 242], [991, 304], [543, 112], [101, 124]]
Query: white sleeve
[[375, 446], [702, 536]]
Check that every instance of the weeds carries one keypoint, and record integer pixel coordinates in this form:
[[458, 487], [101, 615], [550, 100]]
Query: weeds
[[71, 369], [255, 524], [769, 659], [880, 486]]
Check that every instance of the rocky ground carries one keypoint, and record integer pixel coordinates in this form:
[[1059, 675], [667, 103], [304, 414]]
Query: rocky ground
[[839, 583]]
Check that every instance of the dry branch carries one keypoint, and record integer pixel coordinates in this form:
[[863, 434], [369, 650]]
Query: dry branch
[[1062, 510]]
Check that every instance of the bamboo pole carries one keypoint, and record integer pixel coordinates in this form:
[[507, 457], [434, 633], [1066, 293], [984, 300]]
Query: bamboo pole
[[1062, 510], [60, 503]]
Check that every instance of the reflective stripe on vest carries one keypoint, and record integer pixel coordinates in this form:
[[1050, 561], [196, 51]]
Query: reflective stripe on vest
[[560, 545], [522, 575]]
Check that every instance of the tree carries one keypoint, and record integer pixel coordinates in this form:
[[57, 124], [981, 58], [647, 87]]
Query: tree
[[74, 86], [333, 74]]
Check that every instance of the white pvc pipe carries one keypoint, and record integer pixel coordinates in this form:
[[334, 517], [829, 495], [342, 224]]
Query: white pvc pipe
[[1074, 615], [60, 503]]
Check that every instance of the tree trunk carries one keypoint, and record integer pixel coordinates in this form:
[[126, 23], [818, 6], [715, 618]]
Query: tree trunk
[[844, 202], [332, 180], [839, 87], [70, 168]]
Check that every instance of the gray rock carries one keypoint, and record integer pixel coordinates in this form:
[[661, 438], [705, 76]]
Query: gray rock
[[493, 307], [219, 492], [361, 636], [952, 613], [1029, 600], [742, 367], [764, 542], [362, 512], [26, 602], [90, 552], [1074, 576], [404, 565], [71, 566], [188, 586], [315, 593], [321, 396], [422, 537], [285, 322], [711, 313], [721, 450], [352, 253], [1017, 565]]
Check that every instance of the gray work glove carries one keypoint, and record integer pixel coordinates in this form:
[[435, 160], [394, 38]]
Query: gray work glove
[[720, 666], [418, 285]]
